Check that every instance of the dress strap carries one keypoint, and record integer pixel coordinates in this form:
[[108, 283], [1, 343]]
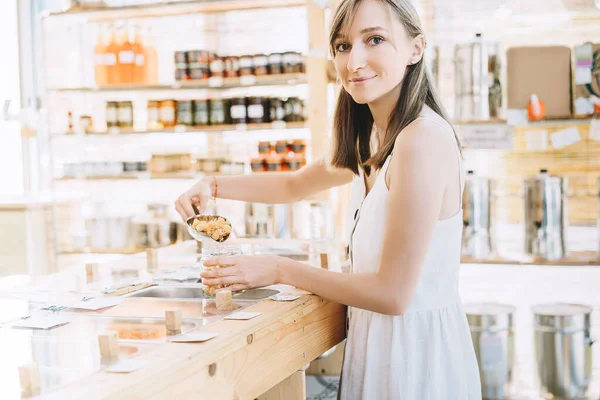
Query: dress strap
[[458, 156]]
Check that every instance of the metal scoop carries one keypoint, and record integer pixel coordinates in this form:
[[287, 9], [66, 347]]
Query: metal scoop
[[201, 236]]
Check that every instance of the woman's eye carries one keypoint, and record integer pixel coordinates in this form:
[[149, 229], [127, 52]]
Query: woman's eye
[[341, 47], [375, 40]]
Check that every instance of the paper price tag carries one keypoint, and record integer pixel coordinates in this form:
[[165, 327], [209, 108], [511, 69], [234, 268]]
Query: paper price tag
[[124, 367], [284, 297], [278, 124], [243, 315], [595, 130], [247, 80], [536, 140], [97, 303], [565, 137], [194, 337], [42, 322], [215, 81], [180, 129]]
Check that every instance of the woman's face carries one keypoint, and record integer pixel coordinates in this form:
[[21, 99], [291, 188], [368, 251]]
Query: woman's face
[[372, 59]]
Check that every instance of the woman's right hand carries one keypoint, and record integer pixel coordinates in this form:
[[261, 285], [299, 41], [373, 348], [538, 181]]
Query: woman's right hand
[[198, 195]]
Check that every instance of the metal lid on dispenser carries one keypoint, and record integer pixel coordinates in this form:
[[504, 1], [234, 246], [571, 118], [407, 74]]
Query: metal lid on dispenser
[[562, 317], [489, 316]]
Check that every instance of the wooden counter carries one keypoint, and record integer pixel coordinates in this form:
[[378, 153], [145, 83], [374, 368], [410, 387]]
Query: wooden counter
[[244, 361]]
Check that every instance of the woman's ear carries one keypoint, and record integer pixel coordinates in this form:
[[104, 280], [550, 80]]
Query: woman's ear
[[418, 49]]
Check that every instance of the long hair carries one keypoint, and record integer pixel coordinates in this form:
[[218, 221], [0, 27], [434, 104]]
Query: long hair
[[353, 122]]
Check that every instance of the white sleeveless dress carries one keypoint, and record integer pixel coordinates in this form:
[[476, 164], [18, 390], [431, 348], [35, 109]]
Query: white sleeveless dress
[[427, 353]]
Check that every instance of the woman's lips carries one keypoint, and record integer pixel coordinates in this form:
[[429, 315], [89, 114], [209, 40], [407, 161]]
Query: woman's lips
[[361, 80]]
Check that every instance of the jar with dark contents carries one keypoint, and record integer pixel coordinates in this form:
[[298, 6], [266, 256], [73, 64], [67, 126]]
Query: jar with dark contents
[[217, 112], [181, 66], [237, 111], [298, 146], [273, 163], [256, 110], [232, 67], [261, 63], [153, 113], [257, 164], [185, 114], [246, 65], [292, 62], [112, 119], [198, 64], [277, 110], [168, 113], [293, 110], [217, 66], [281, 147], [264, 147], [125, 114], [201, 110], [294, 163], [275, 63]]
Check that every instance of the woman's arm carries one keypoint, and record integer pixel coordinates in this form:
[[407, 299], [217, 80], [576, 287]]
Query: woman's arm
[[420, 169], [273, 188], [422, 165]]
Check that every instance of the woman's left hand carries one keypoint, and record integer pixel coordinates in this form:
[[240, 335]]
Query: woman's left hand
[[245, 272]]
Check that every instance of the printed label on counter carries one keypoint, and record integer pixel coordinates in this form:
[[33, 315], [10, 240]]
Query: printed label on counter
[[595, 130], [565, 137], [242, 315], [486, 136], [536, 140]]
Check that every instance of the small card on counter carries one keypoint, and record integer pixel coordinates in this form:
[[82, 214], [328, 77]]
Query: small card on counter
[[42, 322], [243, 315], [284, 297], [97, 303], [194, 337], [124, 366]]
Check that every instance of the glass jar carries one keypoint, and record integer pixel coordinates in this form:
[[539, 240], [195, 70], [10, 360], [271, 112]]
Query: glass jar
[[168, 113], [153, 113], [217, 250], [217, 112], [298, 146], [112, 119], [217, 66], [281, 147], [198, 64], [201, 108], [246, 65], [275, 63], [238, 110], [257, 164], [125, 114], [184, 112], [277, 110], [256, 110], [292, 62], [264, 147], [181, 66], [232, 67], [261, 62]]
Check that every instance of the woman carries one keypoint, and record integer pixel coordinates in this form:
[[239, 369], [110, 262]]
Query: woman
[[408, 337]]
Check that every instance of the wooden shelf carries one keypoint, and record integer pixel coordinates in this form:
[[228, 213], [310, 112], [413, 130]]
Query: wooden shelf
[[574, 258], [136, 176], [143, 176], [211, 83], [89, 250], [166, 9], [182, 130]]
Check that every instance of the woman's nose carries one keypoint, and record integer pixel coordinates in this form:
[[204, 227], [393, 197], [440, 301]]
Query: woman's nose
[[356, 59]]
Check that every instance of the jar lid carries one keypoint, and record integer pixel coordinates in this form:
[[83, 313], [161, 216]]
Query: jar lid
[[488, 309], [561, 309]]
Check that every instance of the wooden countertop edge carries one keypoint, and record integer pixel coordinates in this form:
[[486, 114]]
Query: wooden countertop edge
[[246, 359]]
